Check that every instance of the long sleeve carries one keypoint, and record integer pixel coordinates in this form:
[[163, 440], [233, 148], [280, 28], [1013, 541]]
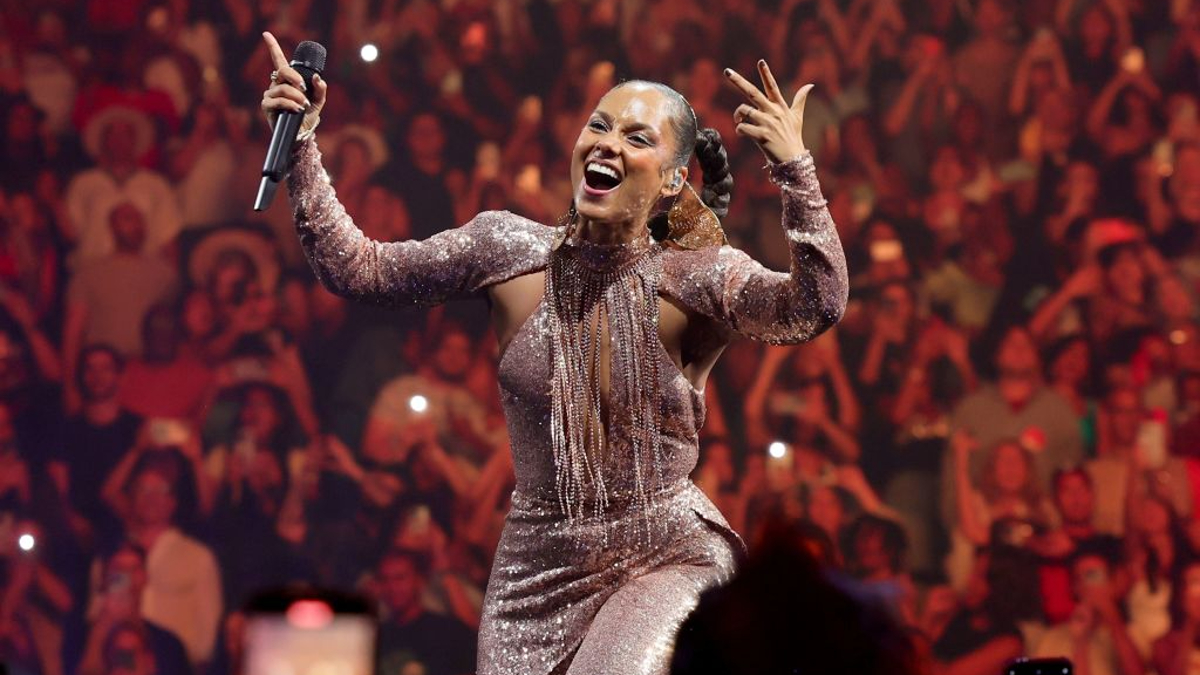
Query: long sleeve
[[738, 292], [494, 246]]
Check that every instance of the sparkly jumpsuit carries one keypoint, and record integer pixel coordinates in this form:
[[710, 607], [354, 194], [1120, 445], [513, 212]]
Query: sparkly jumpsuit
[[595, 591]]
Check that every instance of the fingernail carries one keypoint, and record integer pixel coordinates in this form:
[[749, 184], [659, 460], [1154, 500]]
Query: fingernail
[[728, 71], [762, 62], [307, 103]]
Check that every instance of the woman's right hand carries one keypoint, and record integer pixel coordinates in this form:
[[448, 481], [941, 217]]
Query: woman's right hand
[[287, 93]]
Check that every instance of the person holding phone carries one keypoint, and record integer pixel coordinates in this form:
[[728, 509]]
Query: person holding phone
[[1135, 465], [1095, 637], [609, 543], [87, 648], [449, 412], [260, 463], [1122, 119], [183, 579]]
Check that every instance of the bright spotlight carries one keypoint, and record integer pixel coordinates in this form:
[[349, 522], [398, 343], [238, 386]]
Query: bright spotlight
[[369, 52], [418, 403]]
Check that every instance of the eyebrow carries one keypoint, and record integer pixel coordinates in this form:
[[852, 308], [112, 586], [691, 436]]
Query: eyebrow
[[633, 126]]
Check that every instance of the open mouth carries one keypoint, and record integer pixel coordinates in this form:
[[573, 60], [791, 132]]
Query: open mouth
[[600, 178]]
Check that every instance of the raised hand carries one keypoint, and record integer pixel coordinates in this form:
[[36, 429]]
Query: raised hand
[[287, 92], [767, 118]]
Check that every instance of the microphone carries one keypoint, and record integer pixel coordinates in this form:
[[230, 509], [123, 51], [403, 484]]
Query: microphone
[[308, 60]]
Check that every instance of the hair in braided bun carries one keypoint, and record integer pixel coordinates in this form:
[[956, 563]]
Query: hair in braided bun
[[714, 167]]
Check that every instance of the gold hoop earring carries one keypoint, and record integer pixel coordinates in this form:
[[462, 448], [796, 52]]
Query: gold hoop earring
[[691, 224]]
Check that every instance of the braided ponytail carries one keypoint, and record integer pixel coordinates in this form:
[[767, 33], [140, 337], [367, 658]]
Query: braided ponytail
[[714, 168]]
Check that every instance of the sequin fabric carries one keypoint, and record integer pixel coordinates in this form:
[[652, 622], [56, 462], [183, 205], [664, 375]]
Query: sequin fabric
[[594, 289], [587, 592]]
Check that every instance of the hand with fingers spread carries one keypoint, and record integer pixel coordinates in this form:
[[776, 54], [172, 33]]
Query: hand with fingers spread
[[288, 92], [767, 118]]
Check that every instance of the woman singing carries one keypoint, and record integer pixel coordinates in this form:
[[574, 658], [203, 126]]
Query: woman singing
[[608, 326]]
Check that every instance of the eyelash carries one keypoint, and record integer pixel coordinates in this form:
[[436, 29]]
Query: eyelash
[[600, 126]]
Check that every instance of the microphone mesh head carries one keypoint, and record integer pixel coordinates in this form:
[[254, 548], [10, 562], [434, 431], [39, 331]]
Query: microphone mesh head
[[311, 54]]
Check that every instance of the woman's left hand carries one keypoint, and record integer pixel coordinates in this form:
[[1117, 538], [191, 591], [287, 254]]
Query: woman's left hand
[[767, 118]]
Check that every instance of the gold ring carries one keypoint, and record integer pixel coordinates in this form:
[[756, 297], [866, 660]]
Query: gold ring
[[274, 76]]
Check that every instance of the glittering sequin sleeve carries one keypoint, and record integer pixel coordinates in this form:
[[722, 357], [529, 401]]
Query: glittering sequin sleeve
[[745, 297], [492, 247]]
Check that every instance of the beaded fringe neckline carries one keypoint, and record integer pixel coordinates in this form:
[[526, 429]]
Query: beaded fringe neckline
[[590, 286]]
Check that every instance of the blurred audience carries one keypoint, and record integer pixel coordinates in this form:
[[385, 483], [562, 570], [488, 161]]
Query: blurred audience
[[1000, 441]]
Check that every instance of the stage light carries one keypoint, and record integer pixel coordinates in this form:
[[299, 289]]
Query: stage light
[[418, 403], [26, 542], [369, 52], [777, 449]]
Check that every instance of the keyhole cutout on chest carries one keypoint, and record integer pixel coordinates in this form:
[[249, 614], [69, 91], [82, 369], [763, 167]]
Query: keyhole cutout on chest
[[592, 334], [605, 325]]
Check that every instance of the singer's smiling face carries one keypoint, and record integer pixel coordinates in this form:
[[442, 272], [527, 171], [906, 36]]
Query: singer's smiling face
[[624, 157]]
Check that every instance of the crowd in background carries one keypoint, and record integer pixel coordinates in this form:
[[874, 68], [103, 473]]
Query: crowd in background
[[1002, 437]]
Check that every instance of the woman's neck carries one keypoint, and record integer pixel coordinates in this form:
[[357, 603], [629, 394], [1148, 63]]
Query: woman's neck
[[607, 234]]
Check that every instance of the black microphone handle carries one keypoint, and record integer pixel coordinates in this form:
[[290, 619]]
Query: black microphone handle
[[287, 125], [283, 136]]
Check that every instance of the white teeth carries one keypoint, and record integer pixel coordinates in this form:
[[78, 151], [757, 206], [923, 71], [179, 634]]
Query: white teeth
[[600, 168]]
